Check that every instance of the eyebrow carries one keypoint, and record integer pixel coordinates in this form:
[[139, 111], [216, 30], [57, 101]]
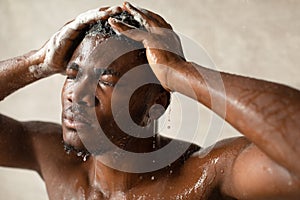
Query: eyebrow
[[98, 71], [101, 72]]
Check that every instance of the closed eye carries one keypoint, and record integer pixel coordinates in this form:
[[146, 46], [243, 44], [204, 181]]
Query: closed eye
[[72, 71], [106, 83], [108, 80]]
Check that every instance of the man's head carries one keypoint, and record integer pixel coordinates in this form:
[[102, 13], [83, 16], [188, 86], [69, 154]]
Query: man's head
[[103, 86]]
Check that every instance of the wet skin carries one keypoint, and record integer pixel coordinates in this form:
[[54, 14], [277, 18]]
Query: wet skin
[[264, 166]]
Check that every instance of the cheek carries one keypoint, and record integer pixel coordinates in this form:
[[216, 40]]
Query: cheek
[[64, 92], [103, 105], [67, 91]]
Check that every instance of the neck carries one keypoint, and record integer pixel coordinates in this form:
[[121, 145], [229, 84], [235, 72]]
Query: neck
[[134, 142], [108, 180]]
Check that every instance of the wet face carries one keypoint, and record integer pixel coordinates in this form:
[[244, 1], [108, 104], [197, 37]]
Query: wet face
[[101, 78]]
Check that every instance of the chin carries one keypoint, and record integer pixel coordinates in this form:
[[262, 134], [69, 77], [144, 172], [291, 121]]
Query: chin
[[95, 146], [71, 137]]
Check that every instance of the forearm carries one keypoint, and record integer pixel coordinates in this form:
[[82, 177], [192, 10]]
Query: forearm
[[266, 113], [18, 72]]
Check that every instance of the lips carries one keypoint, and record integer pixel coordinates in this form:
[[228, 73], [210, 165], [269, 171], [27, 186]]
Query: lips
[[75, 119]]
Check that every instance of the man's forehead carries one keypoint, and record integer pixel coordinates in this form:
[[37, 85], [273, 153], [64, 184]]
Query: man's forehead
[[112, 54]]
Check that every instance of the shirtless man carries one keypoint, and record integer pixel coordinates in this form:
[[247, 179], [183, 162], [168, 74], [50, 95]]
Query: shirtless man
[[262, 165]]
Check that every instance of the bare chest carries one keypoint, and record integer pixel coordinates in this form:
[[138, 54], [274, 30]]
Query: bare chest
[[160, 187]]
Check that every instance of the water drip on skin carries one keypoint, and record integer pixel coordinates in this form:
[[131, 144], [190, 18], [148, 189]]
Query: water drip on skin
[[169, 119], [85, 158]]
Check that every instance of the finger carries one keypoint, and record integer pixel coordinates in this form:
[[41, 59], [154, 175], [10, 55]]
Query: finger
[[139, 15], [157, 18], [127, 30], [75, 28], [113, 10], [83, 20], [92, 16], [104, 8]]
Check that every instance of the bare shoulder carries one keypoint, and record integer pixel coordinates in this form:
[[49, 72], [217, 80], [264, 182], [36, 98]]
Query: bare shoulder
[[215, 162], [26, 144], [43, 135], [47, 141], [220, 154], [237, 168], [200, 175]]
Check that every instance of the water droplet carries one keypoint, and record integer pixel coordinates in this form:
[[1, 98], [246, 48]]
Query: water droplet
[[171, 171], [152, 178], [153, 161], [222, 171], [85, 157]]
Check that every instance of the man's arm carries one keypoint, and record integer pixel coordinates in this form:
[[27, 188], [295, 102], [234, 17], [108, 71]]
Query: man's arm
[[16, 138], [52, 58], [267, 113], [15, 145]]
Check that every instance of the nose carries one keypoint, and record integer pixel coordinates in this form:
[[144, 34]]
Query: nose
[[83, 93]]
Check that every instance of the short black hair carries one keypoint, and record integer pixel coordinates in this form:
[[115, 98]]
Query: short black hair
[[103, 28]]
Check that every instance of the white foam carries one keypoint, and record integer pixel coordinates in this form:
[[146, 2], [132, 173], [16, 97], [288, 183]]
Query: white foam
[[39, 71]]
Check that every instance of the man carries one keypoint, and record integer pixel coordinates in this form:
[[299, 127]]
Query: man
[[262, 165]]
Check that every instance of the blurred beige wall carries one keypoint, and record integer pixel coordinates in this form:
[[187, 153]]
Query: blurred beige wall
[[248, 37]]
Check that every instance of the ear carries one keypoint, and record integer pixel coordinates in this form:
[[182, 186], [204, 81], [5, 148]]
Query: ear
[[163, 99], [159, 105]]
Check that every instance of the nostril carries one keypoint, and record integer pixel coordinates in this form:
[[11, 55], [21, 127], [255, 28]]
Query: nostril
[[96, 101], [69, 98]]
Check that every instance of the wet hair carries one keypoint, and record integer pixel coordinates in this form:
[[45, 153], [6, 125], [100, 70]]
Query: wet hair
[[103, 28]]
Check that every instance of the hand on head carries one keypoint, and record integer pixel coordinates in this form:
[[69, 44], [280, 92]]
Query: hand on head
[[57, 52], [163, 46]]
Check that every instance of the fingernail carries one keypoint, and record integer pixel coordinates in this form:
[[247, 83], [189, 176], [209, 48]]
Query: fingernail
[[112, 20], [127, 4]]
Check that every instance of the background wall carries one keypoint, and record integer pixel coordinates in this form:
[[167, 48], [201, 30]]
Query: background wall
[[248, 37]]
